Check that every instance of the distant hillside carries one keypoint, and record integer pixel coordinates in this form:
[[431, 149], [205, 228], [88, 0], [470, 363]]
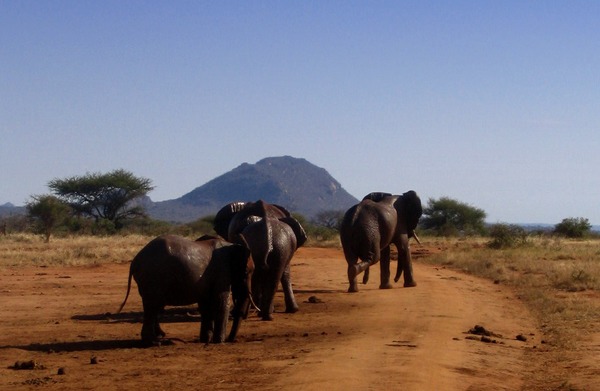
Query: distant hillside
[[294, 183], [9, 209]]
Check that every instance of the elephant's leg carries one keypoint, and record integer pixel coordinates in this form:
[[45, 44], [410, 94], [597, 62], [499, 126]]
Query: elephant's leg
[[385, 269], [405, 265], [159, 331], [366, 276], [151, 328], [269, 287], [206, 322], [206, 327], [291, 305], [220, 317]]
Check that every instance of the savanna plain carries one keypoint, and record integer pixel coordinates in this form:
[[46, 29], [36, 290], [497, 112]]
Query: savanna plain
[[525, 318]]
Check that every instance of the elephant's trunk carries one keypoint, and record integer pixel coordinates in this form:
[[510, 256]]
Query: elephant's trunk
[[238, 314]]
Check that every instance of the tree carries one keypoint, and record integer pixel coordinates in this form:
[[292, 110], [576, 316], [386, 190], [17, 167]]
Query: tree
[[573, 227], [48, 212], [329, 219], [105, 197], [448, 217]]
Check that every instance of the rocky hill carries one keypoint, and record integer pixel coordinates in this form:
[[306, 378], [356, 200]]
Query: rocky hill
[[294, 183]]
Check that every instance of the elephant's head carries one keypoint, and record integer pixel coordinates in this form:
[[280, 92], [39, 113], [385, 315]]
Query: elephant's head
[[234, 217], [242, 267], [224, 216], [413, 210]]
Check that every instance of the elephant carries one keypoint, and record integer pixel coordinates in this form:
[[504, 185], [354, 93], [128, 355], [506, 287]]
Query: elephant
[[369, 228], [273, 236], [175, 271]]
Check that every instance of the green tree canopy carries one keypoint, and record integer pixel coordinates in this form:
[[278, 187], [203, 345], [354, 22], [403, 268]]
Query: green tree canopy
[[573, 227], [48, 212], [448, 217], [107, 196]]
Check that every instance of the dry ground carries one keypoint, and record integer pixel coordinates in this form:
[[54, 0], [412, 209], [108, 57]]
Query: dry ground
[[403, 338]]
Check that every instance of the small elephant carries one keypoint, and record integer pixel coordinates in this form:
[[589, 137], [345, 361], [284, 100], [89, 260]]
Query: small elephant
[[370, 227], [273, 260], [273, 236], [171, 270]]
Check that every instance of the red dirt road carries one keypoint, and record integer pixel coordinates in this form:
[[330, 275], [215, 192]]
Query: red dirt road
[[409, 338]]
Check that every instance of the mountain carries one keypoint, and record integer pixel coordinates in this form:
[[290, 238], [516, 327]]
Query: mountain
[[8, 209], [294, 183]]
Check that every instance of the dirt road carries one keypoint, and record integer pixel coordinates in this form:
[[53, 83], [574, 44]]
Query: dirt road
[[403, 338]]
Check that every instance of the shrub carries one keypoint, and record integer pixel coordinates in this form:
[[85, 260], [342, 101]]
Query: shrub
[[506, 236], [573, 227]]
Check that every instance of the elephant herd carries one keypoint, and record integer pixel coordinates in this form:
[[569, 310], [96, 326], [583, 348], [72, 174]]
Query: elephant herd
[[251, 255]]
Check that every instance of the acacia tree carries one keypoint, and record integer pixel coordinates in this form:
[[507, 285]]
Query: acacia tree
[[447, 217], [104, 197], [48, 213]]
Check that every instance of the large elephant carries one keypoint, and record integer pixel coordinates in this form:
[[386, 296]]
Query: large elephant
[[171, 270], [371, 226], [273, 236]]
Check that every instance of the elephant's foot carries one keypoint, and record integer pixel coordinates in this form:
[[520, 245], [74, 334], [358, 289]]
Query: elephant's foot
[[387, 285], [291, 309], [410, 284], [353, 287], [267, 317]]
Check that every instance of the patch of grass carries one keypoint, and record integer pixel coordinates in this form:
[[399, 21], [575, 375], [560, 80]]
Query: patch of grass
[[24, 249]]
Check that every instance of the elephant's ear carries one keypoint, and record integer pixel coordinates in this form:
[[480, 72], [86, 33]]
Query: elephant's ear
[[301, 236], [414, 209], [283, 210], [224, 217]]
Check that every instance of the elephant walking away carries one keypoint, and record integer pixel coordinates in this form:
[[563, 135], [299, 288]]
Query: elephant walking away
[[371, 226], [273, 236], [171, 270]]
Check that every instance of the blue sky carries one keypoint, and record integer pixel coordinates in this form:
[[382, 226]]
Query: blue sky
[[496, 104]]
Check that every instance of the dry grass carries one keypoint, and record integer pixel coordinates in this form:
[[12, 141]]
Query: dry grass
[[25, 249]]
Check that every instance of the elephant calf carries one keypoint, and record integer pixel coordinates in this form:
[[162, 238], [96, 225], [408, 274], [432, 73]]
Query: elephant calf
[[171, 270]]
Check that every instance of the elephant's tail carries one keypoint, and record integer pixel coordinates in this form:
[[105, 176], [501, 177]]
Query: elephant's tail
[[128, 288]]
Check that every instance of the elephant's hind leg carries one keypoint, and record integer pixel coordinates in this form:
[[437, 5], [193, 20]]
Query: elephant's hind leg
[[385, 269], [291, 306], [151, 331]]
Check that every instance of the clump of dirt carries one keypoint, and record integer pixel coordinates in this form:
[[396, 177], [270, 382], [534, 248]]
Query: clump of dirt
[[480, 330], [314, 300], [483, 333]]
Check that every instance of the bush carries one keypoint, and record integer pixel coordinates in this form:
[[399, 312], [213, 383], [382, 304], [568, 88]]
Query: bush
[[507, 236], [573, 227]]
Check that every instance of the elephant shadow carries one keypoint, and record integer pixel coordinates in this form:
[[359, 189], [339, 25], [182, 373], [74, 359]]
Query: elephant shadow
[[78, 346], [169, 315]]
